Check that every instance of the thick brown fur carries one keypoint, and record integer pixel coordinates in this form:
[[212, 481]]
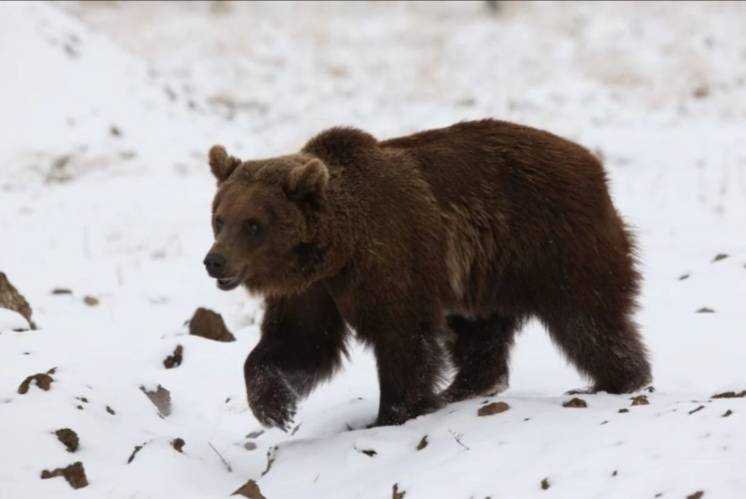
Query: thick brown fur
[[464, 231]]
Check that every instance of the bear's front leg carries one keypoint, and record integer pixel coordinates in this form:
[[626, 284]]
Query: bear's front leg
[[302, 344], [410, 366]]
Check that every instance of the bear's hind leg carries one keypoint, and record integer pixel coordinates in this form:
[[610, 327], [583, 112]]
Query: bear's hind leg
[[480, 355], [604, 346]]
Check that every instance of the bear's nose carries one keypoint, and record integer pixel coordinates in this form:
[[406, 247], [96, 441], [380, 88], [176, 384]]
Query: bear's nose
[[215, 264]]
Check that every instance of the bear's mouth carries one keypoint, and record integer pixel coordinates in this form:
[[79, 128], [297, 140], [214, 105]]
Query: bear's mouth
[[228, 283]]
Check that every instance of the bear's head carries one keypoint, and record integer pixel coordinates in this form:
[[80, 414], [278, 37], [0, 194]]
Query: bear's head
[[266, 222]]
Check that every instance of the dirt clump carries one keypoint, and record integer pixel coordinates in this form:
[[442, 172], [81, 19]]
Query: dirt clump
[[110, 410], [74, 474], [545, 484], [575, 402], [423, 443], [42, 380], [250, 489], [623, 410], [11, 299], [493, 408], [696, 495], [175, 359], [727, 413], [91, 301], [210, 325], [62, 291], [68, 438], [396, 493]]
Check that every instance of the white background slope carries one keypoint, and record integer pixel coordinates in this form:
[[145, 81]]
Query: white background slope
[[659, 90]]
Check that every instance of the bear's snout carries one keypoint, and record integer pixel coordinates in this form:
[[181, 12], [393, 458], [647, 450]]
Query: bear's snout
[[215, 265]]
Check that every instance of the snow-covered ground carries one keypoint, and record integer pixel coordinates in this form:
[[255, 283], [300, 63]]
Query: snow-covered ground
[[106, 113]]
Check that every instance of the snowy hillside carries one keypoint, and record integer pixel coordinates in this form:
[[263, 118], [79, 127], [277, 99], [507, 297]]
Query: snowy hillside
[[106, 114]]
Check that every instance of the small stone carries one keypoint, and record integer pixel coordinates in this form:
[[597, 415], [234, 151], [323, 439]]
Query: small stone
[[545, 484], [684, 277], [640, 400], [175, 359], [396, 493], [250, 489], [42, 380], [68, 438], [575, 402], [115, 131], [492, 409], [110, 410], [91, 301], [62, 291], [623, 410], [210, 325], [706, 310], [727, 413], [720, 256], [74, 474], [178, 444], [696, 495], [423, 443]]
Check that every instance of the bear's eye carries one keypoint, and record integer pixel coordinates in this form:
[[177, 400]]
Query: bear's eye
[[253, 228], [218, 224]]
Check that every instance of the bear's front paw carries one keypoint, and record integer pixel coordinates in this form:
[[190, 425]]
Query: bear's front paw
[[271, 399]]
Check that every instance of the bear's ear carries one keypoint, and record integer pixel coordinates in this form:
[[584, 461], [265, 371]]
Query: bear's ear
[[221, 164], [308, 181]]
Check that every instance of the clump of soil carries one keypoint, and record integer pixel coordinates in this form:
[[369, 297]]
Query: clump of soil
[[696, 495], [110, 410], [68, 438], [396, 493], [42, 380], [640, 400], [62, 291], [175, 359], [250, 489], [730, 395], [161, 399], [178, 444], [623, 410], [493, 408], [575, 402], [74, 474], [545, 484], [423, 443], [91, 301], [727, 413], [210, 325], [720, 256], [11, 299]]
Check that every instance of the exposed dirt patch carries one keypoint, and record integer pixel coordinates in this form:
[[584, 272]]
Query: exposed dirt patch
[[74, 474], [11, 299], [175, 359], [575, 402], [250, 489], [423, 443], [640, 400], [210, 325], [396, 493], [161, 399], [68, 438], [42, 380], [178, 444], [730, 395], [91, 301], [493, 408]]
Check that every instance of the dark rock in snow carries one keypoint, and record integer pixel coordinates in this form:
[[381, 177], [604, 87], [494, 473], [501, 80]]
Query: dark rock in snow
[[210, 325], [68, 438], [74, 474]]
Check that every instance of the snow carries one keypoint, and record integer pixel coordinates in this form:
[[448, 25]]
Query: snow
[[108, 110]]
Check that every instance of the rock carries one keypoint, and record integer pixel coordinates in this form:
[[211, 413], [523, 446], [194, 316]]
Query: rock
[[640, 400], [178, 444], [11, 299], [423, 443], [705, 310], [175, 359], [250, 489], [727, 413], [42, 380], [575, 402], [74, 474], [696, 410], [730, 395], [396, 493], [623, 410], [493, 408], [110, 410], [68, 438], [91, 301], [720, 256], [696, 495], [62, 291], [210, 325], [161, 399], [545, 484]]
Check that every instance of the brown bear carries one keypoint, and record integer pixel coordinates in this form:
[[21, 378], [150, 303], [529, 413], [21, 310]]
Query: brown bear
[[433, 245]]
